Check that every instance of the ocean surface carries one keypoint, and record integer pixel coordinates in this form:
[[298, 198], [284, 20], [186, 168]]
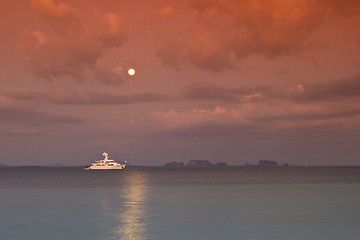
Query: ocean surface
[[249, 203]]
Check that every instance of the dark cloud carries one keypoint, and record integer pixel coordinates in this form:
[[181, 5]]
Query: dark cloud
[[210, 130], [18, 133], [335, 90], [224, 32], [85, 98], [329, 105], [323, 114], [253, 135], [108, 76], [26, 116], [208, 91], [261, 117], [170, 54], [72, 43]]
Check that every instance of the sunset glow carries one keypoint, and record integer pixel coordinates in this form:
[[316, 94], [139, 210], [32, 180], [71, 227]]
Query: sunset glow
[[233, 81]]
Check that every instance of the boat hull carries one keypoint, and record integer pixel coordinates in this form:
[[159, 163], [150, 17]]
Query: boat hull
[[119, 167]]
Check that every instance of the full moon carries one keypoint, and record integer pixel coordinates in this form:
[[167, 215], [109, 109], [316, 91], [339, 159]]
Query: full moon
[[131, 71]]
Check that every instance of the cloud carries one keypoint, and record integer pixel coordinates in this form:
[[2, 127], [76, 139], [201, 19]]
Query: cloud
[[170, 54], [208, 91], [208, 132], [263, 117], [165, 12], [224, 32], [84, 98], [21, 115], [335, 90], [344, 89], [321, 114], [72, 43], [300, 87], [108, 76], [269, 108], [51, 9], [172, 118], [19, 132]]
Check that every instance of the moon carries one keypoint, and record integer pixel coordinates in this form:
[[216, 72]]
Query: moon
[[131, 72]]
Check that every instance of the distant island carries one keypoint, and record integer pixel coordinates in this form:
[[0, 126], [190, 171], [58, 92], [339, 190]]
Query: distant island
[[206, 163], [195, 163], [268, 163]]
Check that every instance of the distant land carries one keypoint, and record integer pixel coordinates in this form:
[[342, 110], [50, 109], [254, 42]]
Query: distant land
[[269, 163], [192, 163], [207, 163], [195, 163]]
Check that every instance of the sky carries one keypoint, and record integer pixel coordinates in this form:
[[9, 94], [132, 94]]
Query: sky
[[233, 81]]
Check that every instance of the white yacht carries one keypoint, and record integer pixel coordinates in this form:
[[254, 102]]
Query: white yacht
[[105, 164]]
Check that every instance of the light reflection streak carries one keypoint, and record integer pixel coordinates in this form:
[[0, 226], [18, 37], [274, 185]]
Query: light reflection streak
[[133, 217]]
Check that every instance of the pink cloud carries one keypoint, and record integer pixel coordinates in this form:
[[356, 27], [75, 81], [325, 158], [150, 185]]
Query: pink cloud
[[225, 32], [300, 87], [28, 119], [173, 118], [165, 12], [49, 8], [262, 117], [72, 43], [83, 98]]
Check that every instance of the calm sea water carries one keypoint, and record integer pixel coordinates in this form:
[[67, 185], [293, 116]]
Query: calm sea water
[[289, 203]]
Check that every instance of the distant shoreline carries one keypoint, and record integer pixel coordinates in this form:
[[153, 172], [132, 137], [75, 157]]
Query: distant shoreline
[[186, 167]]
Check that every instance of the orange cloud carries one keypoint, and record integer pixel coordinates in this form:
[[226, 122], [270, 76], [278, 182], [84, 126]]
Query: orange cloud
[[227, 31], [173, 118], [83, 98], [165, 12], [300, 87], [26, 119], [49, 8], [72, 43], [261, 117]]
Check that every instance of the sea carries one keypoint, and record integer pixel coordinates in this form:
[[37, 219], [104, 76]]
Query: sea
[[158, 203]]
